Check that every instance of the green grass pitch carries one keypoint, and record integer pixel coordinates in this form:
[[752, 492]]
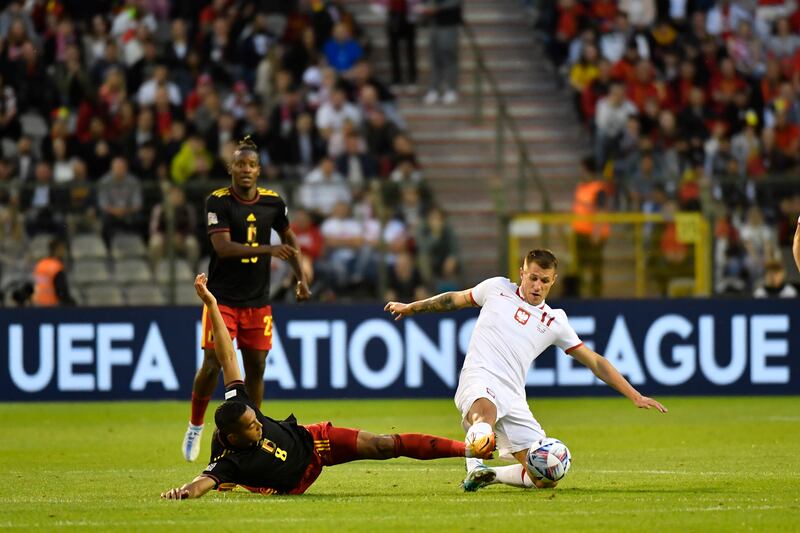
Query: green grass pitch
[[711, 464]]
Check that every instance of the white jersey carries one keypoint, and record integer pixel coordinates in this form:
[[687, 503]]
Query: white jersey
[[511, 333]]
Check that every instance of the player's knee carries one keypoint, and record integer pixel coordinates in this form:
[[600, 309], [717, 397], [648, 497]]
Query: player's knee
[[384, 446], [254, 361], [210, 362], [255, 366]]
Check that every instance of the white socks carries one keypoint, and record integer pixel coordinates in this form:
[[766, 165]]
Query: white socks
[[513, 475], [476, 431]]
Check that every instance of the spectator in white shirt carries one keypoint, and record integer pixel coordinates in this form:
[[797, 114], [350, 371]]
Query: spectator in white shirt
[[147, 92], [725, 17], [350, 255], [323, 188], [612, 114], [775, 285], [332, 115], [613, 44]]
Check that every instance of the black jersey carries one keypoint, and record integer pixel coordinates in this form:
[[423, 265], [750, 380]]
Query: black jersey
[[277, 461], [244, 281]]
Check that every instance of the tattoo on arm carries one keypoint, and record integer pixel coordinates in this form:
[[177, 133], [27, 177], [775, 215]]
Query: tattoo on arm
[[436, 304]]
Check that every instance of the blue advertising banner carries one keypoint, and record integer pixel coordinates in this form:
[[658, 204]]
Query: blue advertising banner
[[661, 346]]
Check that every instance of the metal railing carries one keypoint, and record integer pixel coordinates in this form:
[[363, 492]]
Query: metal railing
[[692, 229], [526, 170]]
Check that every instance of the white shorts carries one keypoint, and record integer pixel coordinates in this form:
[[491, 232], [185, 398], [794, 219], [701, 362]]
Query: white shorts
[[516, 428]]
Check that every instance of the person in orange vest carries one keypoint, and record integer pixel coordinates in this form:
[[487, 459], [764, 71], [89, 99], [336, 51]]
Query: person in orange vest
[[591, 196], [50, 280]]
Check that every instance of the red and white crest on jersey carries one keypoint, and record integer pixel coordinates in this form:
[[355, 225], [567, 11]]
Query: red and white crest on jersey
[[522, 316]]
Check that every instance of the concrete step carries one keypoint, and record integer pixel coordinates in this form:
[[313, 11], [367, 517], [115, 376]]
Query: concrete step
[[515, 85], [446, 156], [485, 135], [457, 154], [414, 109], [490, 41], [477, 18], [509, 66]]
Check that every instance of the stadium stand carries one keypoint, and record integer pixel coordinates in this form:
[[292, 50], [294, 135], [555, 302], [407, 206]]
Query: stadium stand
[[694, 105], [105, 103], [107, 107], [144, 294]]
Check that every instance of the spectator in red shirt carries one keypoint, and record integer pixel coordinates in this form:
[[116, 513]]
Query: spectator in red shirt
[[725, 84], [787, 135], [596, 90], [211, 13], [603, 13], [687, 79], [309, 239], [568, 23], [643, 87]]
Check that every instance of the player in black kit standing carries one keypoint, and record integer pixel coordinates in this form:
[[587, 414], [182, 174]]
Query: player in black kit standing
[[238, 219]]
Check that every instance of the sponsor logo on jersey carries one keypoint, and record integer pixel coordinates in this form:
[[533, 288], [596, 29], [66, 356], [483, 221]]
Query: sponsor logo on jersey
[[212, 218], [522, 316]]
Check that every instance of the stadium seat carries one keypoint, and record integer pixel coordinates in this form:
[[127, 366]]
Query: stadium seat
[[127, 245], [203, 264], [103, 295], [9, 147], [186, 295], [183, 272], [792, 274], [33, 125], [128, 271], [39, 246], [89, 272], [144, 294], [88, 245]]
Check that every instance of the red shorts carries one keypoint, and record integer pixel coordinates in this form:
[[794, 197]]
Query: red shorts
[[250, 326], [332, 446]]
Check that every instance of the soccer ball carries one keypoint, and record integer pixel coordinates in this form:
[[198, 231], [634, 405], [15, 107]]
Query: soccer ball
[[549, 459]]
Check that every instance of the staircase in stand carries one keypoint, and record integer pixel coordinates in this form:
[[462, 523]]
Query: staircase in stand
[[458, 156]]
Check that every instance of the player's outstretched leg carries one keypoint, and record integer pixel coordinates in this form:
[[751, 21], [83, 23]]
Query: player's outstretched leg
[[479, 424], [203, 387], [516, 475], [414, 445]]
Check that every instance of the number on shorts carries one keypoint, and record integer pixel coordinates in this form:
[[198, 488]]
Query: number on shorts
[[268, 326]]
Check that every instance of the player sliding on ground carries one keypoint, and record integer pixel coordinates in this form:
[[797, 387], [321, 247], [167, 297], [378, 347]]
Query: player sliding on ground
[[281, 457], [239, 219], [514, 327]]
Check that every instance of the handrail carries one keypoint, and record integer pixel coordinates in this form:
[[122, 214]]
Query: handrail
[[525, 167]]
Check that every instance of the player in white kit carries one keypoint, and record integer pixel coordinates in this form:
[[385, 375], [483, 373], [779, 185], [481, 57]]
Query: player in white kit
[[514, 327]]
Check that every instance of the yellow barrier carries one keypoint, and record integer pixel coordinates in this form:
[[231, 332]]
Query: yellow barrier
[[548, 229]]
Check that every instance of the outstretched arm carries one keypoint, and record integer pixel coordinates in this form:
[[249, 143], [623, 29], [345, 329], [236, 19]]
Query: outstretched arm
[[223, 345], [604, 370], [796, 245], [301, 291], [199, 486], [447, 301]]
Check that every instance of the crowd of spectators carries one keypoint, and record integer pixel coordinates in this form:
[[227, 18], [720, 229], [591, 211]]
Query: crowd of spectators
[[110, 109], [692, 105]]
